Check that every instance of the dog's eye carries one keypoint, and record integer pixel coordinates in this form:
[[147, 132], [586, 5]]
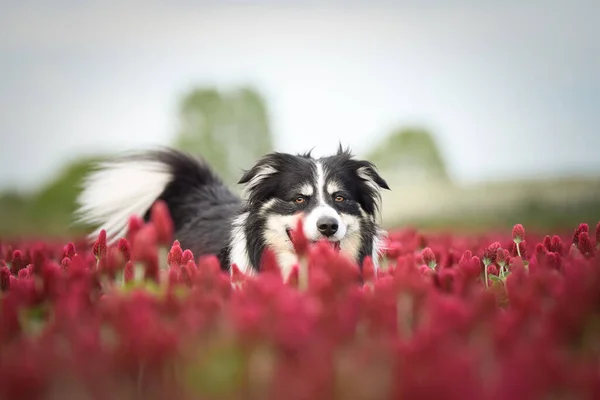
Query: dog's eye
[[339, 198], [299, 200]]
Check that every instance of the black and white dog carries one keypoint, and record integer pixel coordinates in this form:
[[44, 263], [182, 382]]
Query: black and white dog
[[338, 196]]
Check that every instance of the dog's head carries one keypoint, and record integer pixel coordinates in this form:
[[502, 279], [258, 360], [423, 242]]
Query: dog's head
[[337, 196]]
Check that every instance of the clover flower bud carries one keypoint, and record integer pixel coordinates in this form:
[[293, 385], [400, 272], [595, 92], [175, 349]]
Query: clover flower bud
[[518, 233], [428, 257]]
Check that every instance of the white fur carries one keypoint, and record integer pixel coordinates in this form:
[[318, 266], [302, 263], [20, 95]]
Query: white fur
[[306, 190], [115, 191], [320, 182], [378, 247], [310, 223], [267, 205], [263, 173], [351, 242], [378, 239], [239, 251], [333, 187], [276, 238], [322, 210]]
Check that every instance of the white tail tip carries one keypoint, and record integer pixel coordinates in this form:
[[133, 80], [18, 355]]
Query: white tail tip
[[117, 190]]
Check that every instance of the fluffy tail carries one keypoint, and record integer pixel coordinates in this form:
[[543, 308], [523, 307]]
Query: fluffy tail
[[130, 184]]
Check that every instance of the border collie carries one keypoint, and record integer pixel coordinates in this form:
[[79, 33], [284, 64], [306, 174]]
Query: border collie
[[338, 196]]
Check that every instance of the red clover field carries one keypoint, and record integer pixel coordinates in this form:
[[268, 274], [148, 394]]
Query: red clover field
[[509, 315]]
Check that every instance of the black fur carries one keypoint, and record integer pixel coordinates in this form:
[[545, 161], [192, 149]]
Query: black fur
[[203, 207], [200, 204]]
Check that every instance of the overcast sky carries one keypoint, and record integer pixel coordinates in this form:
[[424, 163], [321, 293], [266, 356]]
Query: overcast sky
[[509, 88]]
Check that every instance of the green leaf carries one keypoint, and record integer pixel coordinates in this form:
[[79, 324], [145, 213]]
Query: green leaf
[[219, 371], [33, 320]]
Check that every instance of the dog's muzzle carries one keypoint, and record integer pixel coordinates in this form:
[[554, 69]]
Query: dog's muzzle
[[334, 243]]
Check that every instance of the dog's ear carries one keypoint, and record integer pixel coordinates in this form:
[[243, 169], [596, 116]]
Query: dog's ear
[[368, 173], [260, 171], [365, 170], [257, 176], [369, 196], [369, 193]]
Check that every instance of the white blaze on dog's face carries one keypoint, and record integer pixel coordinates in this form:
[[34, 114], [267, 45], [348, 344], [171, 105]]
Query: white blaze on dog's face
[[323, 221], [337, 196]]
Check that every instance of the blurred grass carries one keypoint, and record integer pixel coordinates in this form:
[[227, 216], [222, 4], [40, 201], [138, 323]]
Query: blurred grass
[[534, 215], [47, 212], [543, 205]]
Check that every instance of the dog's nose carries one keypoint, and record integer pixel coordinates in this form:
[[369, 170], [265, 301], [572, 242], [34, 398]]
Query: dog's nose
[[327, 226]]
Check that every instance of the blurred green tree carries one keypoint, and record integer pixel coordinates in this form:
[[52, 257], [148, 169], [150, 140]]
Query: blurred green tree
[[411, 153], [55, 201], [48, 210], [229, 129]]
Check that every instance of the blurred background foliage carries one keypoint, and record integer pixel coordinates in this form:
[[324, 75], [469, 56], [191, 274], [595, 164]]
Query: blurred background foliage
[[231, 130], [474, 126], [411, 154]]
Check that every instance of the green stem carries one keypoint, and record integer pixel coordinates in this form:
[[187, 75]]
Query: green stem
[[163, 254], [140, 379], [485, 274], [404, 314]]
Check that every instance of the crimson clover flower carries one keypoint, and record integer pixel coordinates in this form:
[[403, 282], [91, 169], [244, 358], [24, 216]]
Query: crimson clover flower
[[299, 239], [583, 227], [540, 252], [161, 219], [4, 279], [111, 263], [470, 265], [175, 255], [18, 262], [186, 257], [269, 262], [293, 279], [129, 272], [393, 250], [237, 276], [368, 270], [518, 233], [99, 248], [123, 246], [552, 261], [490, 253], [547, 243], [134, 224], [173, 275], [584, 244], [428, 257], [502, 257], [404, 324], [447, 279], [24, 273], [519, 249], [556, 244], [425, 270], [69, 250], [492, 270], [145, 251]]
